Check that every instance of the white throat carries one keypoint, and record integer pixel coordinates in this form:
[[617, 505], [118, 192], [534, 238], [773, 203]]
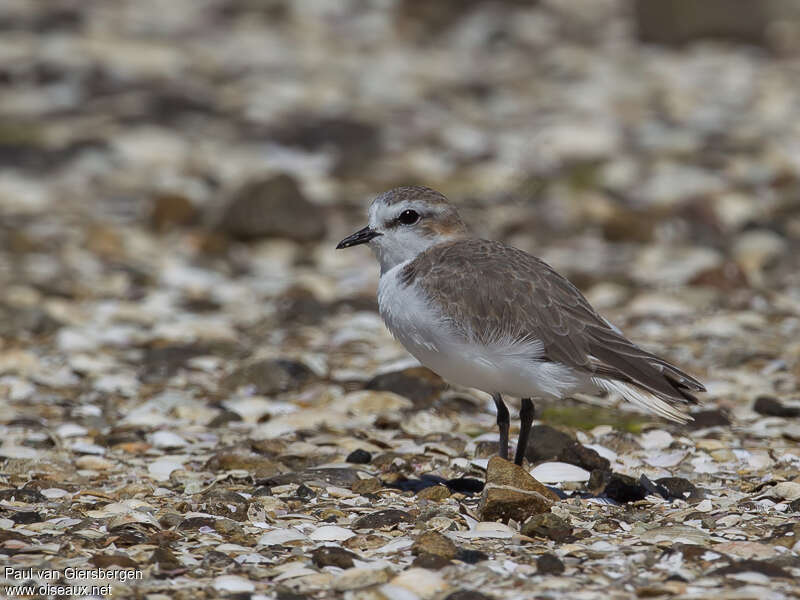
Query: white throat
[[398, 247]]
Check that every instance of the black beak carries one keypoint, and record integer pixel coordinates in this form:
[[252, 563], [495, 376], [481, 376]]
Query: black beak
[[362, 236]]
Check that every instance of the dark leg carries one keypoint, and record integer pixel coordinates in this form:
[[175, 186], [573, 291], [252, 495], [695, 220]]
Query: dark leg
[[525, 421], [503, 422]]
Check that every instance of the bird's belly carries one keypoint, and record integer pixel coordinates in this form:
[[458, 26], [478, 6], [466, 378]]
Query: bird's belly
[[479, 367], [512, 369]]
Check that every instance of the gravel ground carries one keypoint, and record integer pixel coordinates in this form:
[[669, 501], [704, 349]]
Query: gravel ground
[[197, 396]]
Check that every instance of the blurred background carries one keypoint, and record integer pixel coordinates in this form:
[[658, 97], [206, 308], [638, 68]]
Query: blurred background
[[176, 326], [174, 175]]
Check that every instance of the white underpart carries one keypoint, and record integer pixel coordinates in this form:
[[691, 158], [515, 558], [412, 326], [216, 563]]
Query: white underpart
[[503, 365], [506, 366]]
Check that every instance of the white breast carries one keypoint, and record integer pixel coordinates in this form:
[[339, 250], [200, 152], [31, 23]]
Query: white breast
[[506, 366]]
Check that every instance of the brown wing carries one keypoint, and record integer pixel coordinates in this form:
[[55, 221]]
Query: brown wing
[[497, 292]]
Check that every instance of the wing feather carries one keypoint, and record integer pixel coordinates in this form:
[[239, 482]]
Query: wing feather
[[495, 292]]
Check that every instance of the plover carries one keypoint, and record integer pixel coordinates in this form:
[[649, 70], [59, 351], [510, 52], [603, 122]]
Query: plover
[[483, 314]]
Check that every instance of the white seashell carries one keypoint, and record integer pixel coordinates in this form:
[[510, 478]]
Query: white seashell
[[395, 545], [167, 439], [557, 472], [331, 533], [666, 459], [277, 537], [655, 439], [606, 453], [161, 468], [233, 583], [785, 490]]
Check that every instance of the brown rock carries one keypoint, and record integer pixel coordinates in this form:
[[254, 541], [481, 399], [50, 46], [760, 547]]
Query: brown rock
[[272, 207], [172, 209], [430, 561], [367, 486], [502, 503], [420, 385], [383, 519], [333, 556], [436, 493], [676, 22], [104, 561], [270, 376], [256, 465], [501, 472], [547, 525], [433, 542]]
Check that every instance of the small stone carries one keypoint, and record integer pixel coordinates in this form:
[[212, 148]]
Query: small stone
[[367, 486], [333, 556], [433, 542], [581, 456], [270, 376], [772, 407], [383, 519], [547, 525], [163, 557], [471, 557], [678, 487], [420, 385], [709, 418], [549, 564], [435, 493], [355, 143], [506, 473], [360, 577], [623, 488], [512, 493], [753, 566], [503, 504], [359, 457], [677, 22], [338, 476], [430, 561], [169, 210], [546, 443], [258, 466], [272, 207]]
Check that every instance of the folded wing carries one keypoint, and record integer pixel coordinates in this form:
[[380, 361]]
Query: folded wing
[[499, 294]]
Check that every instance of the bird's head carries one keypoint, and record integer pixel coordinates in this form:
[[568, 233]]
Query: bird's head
[[406, 221]]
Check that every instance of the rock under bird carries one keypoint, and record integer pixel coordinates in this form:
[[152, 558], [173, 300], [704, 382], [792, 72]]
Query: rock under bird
[[486, 315]]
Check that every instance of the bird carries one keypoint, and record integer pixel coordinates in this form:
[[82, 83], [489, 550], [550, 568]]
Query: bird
[[486, 315]]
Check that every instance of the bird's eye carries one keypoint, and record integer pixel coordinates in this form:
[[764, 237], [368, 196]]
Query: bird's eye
[[408, 217]]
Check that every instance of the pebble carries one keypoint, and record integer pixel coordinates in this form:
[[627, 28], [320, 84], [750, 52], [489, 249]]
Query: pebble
[[433, 542], [359, 457], [333, 556], [549, 564], [359, 577], [547, 525], [382, 519], [272, 207]]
